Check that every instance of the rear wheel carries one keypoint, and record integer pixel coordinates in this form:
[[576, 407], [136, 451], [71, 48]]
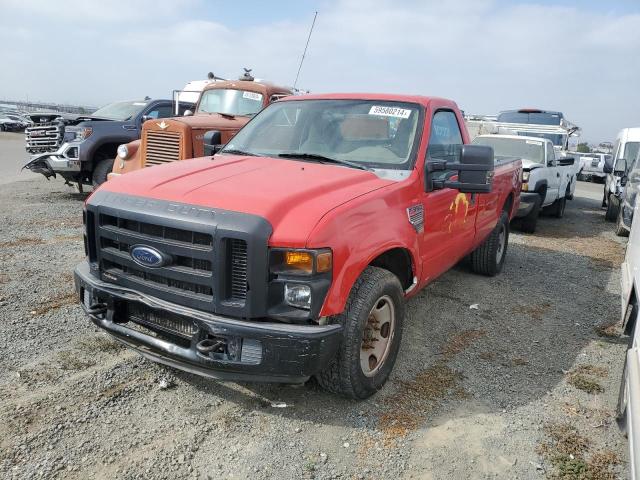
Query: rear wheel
[[613, 206], [372, 322], [489, 257]]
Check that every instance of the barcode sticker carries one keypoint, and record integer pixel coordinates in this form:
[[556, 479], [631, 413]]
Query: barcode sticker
[[252, 96], [533, 142], [389, 111]]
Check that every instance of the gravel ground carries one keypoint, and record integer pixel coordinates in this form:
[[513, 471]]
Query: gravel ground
[[486, 392]]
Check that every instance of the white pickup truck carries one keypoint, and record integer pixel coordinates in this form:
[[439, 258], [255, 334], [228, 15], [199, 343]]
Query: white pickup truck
[[548, 178]]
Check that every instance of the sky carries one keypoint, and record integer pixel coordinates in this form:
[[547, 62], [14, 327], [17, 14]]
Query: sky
[[578, 57]]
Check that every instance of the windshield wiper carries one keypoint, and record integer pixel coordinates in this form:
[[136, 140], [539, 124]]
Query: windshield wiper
[[322, 158], [235, 151], [225, 115]]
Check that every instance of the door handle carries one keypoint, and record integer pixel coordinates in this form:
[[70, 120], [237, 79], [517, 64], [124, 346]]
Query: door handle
[[558, 174]]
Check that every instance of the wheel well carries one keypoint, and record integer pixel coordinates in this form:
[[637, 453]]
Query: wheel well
[[108, 150], [398, 262], [508, 203], [631, 320]]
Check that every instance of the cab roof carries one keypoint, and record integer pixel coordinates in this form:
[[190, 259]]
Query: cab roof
[[386, 97]]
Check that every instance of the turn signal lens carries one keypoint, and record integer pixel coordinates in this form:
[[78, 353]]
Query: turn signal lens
[[324, 262], [299, 261]]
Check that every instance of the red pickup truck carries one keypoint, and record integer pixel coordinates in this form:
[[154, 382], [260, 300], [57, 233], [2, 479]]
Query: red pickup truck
[[292, 251]]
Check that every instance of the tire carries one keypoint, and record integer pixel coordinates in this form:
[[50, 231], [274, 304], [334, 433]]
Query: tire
[[613, 207], [621, 406], [556, 209], [528, 223], [620, 230], [346, 375], [101, 170], [488, 258]]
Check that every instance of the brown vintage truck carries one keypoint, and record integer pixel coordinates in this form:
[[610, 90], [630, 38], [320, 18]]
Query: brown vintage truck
[[223, 108]]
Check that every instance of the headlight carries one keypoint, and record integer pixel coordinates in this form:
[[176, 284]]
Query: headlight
[[298, 296], [301, 262], [123, 152], [525, 176], [83, 133]]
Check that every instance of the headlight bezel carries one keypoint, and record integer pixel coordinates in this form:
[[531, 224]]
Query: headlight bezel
[[300, 261]]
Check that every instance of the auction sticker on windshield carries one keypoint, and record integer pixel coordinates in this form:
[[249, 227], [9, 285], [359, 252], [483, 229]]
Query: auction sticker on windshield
[[534, 142], [389, 111], [252, 96]]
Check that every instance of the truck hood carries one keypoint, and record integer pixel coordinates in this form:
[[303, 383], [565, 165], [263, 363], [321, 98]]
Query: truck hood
[[530, 165], [292, 195], [212, 121]]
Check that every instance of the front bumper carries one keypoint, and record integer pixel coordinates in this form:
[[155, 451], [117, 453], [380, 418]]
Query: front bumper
[[262, 351], [528, 200], [64, 160]]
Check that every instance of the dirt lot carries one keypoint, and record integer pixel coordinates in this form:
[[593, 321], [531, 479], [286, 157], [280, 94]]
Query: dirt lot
[[522, 387]]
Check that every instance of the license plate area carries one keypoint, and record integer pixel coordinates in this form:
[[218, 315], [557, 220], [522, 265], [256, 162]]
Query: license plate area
[[161, 321]]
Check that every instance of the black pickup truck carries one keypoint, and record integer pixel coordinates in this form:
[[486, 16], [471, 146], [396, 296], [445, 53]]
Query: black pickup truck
[[81, 148]]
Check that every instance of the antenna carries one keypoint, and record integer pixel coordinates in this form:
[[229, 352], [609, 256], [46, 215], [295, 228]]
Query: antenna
[[305, 50]]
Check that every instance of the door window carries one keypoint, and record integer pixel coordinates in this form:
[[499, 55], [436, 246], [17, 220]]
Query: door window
[[160, 111], [445, 141], [551, 155]]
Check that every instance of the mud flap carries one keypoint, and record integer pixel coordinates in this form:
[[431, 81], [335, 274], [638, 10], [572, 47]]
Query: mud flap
[[40, 165]]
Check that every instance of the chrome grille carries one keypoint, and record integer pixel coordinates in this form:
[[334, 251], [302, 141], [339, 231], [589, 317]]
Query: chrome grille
[[44, 137], [238, 269], [162, 147]]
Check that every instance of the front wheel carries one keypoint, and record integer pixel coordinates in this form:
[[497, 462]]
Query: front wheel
[[620, 230], [372, 322], [489, 257], [101, 170]]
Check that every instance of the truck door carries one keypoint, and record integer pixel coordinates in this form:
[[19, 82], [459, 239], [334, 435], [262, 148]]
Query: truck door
[[449, 216], [554, 180]]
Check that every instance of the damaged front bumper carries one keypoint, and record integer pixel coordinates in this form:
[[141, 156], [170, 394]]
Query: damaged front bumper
[[65, 160], [204, 343], [528, 201]]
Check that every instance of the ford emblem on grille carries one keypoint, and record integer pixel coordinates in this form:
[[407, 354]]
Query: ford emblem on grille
[[149, 256]]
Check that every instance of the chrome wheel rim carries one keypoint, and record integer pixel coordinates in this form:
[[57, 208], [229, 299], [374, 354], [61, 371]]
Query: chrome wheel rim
[[377, 336], [502, 237]]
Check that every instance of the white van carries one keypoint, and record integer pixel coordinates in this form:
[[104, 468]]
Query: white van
[[625, 148]]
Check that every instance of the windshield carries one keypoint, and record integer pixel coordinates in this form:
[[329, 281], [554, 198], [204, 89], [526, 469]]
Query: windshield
[[230, 102], [556, 138], [374, 134], [532, 150], [120, 110], [539, 118]]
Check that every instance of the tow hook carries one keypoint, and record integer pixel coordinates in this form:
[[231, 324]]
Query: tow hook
[[97, 309], [211, 345]]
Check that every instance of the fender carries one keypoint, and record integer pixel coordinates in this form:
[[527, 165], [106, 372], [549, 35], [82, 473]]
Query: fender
[[539, 185], [377, 233]]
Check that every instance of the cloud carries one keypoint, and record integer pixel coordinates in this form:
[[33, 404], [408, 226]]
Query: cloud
[[487, 55]]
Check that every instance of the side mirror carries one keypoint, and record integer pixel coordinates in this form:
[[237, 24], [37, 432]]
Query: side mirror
[[475, 171], [620, 168], [608, 165], [145, 118], [565, 161], [188, 113], [212, 142]]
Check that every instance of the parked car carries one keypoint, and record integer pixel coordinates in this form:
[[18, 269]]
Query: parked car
[[222, 109], [81, 148], [592, 166], [548, 181], [631, 181], [625, 150], [292, 251], [628, 409], [9, 125]]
